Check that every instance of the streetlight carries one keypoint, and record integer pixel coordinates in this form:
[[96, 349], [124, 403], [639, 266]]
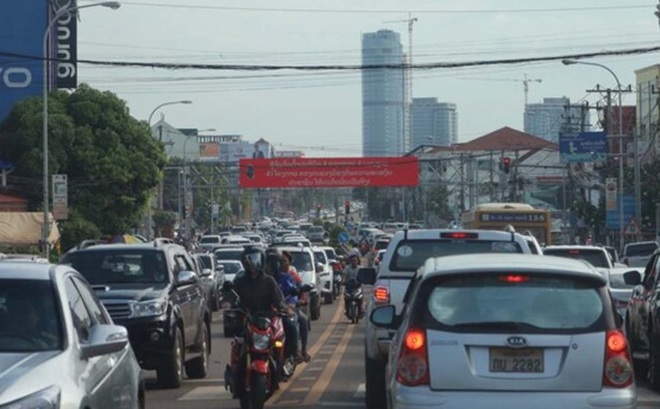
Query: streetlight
[[61, 12], [149, 210], [618, 84]]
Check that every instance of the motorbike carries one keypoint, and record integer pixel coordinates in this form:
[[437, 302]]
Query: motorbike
[[337, 279], [353, 298]]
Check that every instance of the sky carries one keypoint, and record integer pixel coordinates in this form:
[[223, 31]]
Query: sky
[[319, 112]]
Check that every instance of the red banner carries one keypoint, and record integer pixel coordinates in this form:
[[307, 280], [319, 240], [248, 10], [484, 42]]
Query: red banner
[[329, 172]]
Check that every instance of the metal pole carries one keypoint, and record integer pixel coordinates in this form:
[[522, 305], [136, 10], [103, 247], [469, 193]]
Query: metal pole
[[46, 82], [621, 187]]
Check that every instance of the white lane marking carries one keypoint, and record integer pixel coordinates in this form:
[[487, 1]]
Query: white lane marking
[[360, 393], [206, 393]]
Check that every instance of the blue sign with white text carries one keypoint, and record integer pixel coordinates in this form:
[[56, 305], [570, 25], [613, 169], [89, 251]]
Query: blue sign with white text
[[22, 27], [583, 147], [612, 216]]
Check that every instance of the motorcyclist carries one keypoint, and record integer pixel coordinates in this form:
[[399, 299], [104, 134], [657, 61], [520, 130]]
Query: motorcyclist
[[259, 293], [303, 321], [351, 275]]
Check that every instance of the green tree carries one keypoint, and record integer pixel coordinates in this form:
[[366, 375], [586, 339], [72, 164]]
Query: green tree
[[110, 158], [437, 206]]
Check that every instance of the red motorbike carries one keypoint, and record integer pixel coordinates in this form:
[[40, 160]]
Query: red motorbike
[[257, 360]]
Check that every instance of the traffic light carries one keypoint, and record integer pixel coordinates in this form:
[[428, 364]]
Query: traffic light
[[347, 205], [506, 164]]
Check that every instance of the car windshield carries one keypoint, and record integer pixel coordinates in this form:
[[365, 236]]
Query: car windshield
[[232, 268], [320, 257], [29, 317], [330, 253], [229, 254], [644, 249], [209, 240], [207, 261], [120, 266], [411, 254], [302, 261], [596, 258], [527, 303]]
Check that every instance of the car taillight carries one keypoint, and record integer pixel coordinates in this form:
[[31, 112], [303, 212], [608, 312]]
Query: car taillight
[[618, 370], [413, 364], [382, 294]]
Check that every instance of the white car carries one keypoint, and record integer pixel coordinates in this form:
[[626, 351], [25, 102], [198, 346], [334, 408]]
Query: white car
[[520, 331], [58, 345], [325, 274]]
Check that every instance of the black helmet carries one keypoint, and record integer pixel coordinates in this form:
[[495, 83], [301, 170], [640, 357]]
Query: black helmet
[[253, 257], [273, 261]]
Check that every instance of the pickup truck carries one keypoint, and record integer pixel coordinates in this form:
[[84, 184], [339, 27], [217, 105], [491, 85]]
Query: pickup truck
[[638, 254]]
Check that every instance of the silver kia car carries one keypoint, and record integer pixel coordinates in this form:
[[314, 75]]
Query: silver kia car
[[512, 331], [58, 345]]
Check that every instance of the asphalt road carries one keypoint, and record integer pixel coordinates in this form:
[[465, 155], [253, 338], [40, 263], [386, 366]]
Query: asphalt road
[[333, 379]]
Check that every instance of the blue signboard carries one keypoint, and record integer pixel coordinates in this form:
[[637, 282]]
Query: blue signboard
[[583, 147], [22, 26], [342, 237], [612, 216]]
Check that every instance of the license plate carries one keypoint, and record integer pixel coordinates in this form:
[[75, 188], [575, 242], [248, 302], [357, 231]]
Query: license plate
[[526, 360]]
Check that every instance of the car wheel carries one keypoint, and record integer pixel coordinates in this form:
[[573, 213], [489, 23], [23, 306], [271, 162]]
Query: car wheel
[[375, 383], [328, 298], [654, 364], [198, 367], [170, 373]]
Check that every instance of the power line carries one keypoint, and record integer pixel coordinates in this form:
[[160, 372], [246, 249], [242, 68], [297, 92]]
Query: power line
[[388, 11], [346, 67]]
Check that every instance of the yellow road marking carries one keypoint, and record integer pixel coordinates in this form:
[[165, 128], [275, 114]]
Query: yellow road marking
[[312, 351], [324, 380]]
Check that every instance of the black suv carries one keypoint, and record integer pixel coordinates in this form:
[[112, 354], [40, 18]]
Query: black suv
[[152, 290]]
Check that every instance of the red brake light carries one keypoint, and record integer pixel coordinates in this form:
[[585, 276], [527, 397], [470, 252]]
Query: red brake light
[[514, 278], [573, 251], [616, 342], [618, 370], [413, 363], [382, 294], [459, 235], [415, 339]]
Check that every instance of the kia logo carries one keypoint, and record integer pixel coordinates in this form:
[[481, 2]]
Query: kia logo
[[516, 342]]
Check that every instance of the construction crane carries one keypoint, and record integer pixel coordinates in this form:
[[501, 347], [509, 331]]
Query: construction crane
[[526, 82], [407, 80]]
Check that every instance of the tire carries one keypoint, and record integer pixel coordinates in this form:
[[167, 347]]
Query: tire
[[327, 298], [314, 307], [654, 364], [170, 373], [257, 393], [374, 397], [354, 314], [198, 368]]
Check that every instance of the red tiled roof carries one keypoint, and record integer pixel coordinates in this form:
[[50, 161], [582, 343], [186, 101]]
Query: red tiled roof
[[5, 198], [506, 139]]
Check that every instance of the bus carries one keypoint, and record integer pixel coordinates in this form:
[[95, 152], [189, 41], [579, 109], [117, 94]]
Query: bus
[[522, 217]]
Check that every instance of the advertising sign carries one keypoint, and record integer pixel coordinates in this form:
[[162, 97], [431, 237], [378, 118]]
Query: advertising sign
[[66, 45], [612, 216], [611, 189], [60, 197], [329, 172], [583, 147], [22, 25]]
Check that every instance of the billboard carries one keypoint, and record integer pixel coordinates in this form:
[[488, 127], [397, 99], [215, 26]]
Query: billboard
[[22, 25], [583, 147], [329, 172], [65, 40]]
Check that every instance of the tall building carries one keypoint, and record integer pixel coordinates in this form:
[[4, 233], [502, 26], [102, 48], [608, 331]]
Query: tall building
[[383, 94], [433, 123], [648, 112], [554, 115]]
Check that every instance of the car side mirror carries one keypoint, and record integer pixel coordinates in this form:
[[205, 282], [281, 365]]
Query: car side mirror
[[206, 272], [366, 276], [186, 277], [103, 340], [319, 267], [384, 316], [632, 277]]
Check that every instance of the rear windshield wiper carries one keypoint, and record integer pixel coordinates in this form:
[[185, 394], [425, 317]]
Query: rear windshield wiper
[[496, 325]]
